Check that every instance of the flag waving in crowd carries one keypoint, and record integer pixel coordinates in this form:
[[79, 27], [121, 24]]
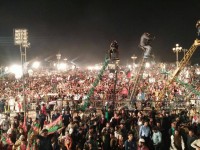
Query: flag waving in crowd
[[55, 125]]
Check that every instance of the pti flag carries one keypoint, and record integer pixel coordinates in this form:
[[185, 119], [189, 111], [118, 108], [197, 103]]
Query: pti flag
[[55, 125]]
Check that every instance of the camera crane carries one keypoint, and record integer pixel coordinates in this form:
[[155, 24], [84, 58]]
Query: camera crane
[[138, 77], [182, 64], [145, 45]]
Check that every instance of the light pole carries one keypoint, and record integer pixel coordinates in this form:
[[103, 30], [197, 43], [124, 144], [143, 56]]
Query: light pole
[[184, 51], [58, 56], [134, 57], [25, 45], [177, 50]]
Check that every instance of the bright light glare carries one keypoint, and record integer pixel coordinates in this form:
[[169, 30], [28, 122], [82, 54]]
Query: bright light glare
[[30, 72], [90, 68], [17, 70], [73, 67], [97, 67], [62, 66], [36, 65], [147, 65], [6, 69]]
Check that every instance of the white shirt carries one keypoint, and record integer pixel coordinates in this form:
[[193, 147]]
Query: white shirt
[[196, 144], [172, 143], [11, 102]]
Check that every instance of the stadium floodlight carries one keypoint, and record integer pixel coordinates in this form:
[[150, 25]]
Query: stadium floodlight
[[62, 66], [97, 67], [16, 70], [30, 72], [36, 65], [73, 67], [90, 68], [21, 39], [147, 65]]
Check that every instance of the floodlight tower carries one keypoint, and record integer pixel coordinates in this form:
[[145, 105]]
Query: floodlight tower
[[21, 39], [25, 45]]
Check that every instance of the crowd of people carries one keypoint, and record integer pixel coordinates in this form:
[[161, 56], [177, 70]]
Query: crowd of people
[[107, 128]]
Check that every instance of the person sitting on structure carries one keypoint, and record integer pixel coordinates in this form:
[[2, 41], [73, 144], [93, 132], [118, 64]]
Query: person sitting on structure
[[145, 42], [113, 52], [198, 27]]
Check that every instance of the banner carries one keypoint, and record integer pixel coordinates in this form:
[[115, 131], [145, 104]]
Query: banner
[[55, 125]]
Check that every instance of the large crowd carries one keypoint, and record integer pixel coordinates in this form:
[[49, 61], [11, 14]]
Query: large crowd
[[107, 128]]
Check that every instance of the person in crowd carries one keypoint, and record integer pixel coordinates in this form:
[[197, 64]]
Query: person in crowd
[[134, 131], [12, 132], [66, 118], [43, 109], [11, 103], [4, 123], [196, 144], [165, 125], [113, 141], [120, 141], [42, 119], [172, 129], [29, 123], [115, 120], [145, 132], [191, 137], [130, 143], [44, 140], [106, 136], [153, 115], [145, 41], [80, 138], [177, 142], [123, 129], [102, 122], [2, 105], [68, 141], [142, 145], [20, 144], [156, 138]]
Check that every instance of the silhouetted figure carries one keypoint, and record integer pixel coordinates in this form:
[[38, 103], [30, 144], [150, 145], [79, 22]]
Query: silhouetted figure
[[198, 27], [145, 42], [113, 52]]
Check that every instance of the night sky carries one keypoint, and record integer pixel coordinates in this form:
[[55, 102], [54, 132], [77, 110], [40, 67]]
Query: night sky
[[85, 28]]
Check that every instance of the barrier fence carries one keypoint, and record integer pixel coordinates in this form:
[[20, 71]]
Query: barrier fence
[[98, 104]]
